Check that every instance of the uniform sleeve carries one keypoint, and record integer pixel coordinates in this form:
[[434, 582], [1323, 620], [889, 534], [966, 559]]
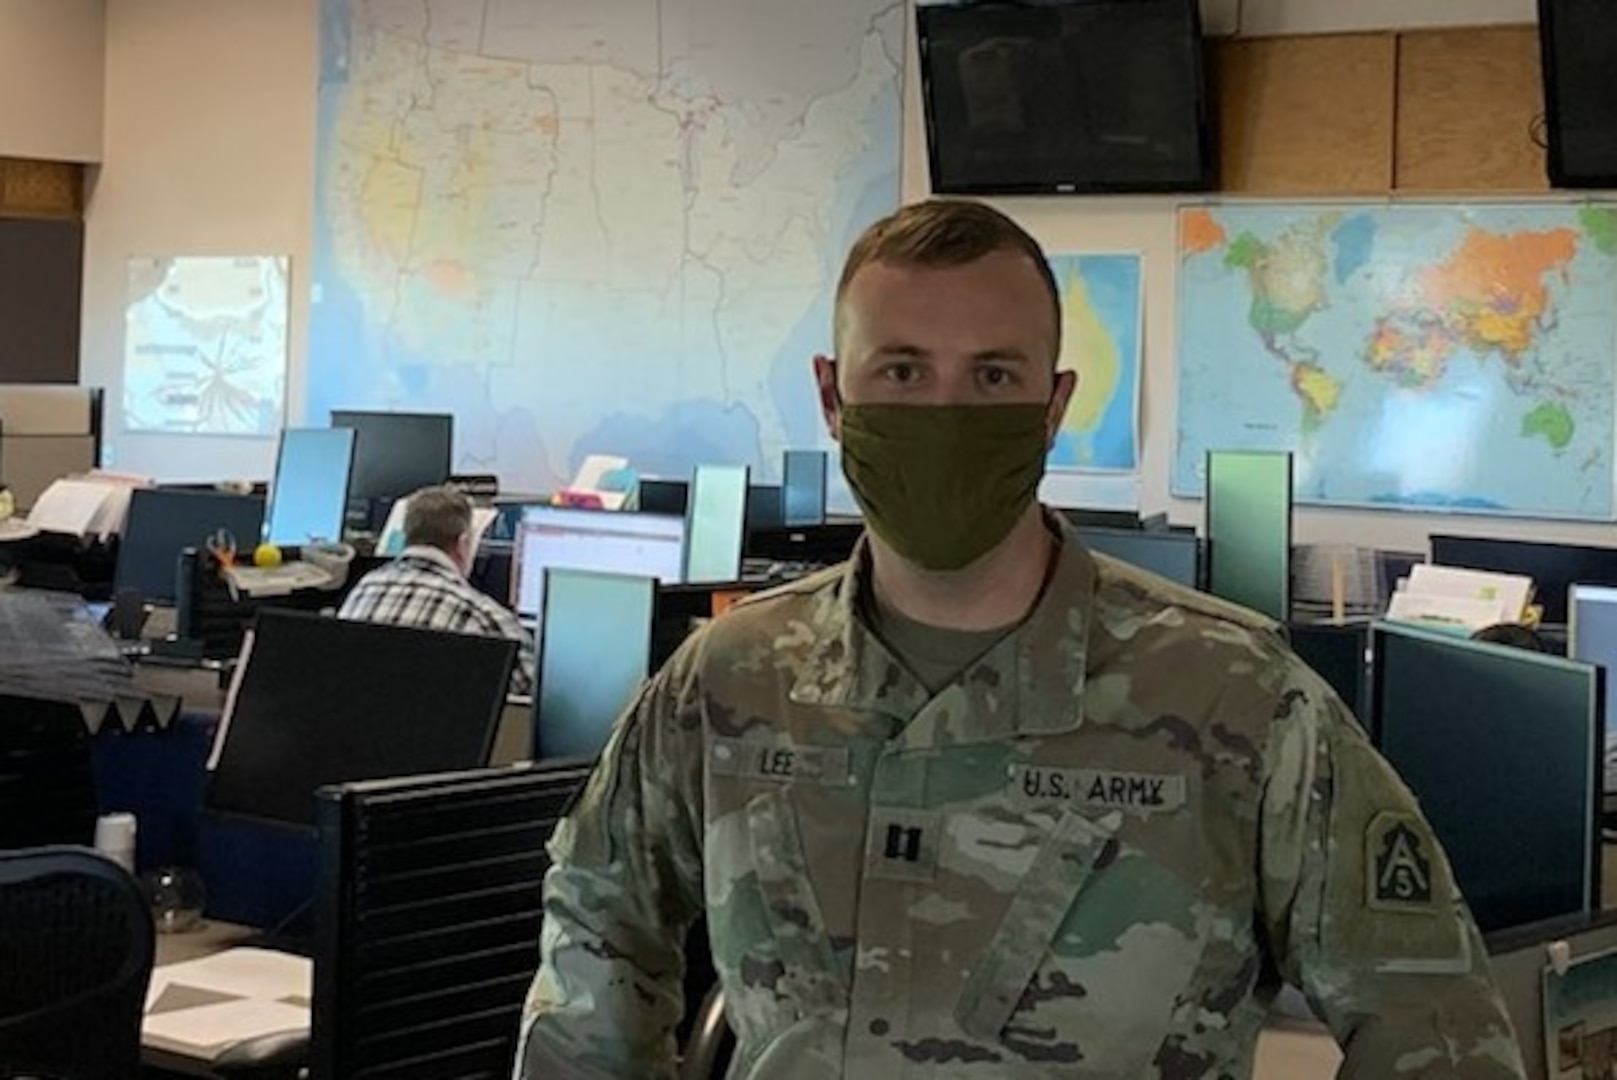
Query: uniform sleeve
[[1361, 910], [623, 890]]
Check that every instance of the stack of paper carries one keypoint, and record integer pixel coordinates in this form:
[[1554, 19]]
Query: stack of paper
[[207, 1004], [603, 482], [95, 504], [1450, 598]]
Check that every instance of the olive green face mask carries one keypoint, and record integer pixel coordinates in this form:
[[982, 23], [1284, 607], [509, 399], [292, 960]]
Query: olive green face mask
[[943, 484]]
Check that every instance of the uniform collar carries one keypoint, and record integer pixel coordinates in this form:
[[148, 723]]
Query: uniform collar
[[1030, 683]]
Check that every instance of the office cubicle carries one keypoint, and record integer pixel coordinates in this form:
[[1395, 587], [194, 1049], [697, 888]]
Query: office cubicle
[[46, 433]]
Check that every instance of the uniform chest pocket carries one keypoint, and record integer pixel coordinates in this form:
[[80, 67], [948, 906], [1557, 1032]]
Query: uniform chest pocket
[[1090, 958]]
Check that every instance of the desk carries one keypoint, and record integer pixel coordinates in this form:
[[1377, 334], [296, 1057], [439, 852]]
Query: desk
[[283, 1005]]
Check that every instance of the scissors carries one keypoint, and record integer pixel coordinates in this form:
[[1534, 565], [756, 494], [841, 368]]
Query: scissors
[[221, 544]]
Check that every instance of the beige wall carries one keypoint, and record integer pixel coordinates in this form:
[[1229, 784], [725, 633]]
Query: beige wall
[[51, 79], [210, 141], [209, 151]]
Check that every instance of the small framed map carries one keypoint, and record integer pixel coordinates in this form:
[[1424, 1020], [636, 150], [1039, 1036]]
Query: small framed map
[[205, 344]]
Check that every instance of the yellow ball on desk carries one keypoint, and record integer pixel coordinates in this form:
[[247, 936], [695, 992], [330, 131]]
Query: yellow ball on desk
[[266, 555]]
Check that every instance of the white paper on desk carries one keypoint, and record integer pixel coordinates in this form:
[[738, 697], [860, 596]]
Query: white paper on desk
[[225, 1022], [1511, 593], [69, 506], [246, 972]]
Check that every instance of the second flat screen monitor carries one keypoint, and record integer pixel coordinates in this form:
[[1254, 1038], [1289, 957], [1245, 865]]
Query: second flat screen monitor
[[1501, 747], [309, 496], [594, 652], [396, 453], [1249, 529], [164, 522], [611, 541], [716, 524], [320, 700]]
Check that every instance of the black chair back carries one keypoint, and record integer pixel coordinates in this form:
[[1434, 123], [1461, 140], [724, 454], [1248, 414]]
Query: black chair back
[[77, 938], [47, 783]]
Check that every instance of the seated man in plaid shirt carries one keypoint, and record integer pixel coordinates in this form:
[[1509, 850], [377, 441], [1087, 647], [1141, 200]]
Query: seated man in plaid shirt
[[426, 585]]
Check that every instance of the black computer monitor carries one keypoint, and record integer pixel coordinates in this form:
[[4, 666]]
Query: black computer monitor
[[1339, 655], [612, 541], [162, 522], [308, 498], [396, 453], [1501, 746], [1553, 567], [660, 495], [594, 652], [764, 507], [318, 700], [802, 487], [1173, 555]]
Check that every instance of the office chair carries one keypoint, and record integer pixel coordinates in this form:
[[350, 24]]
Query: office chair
[[78, 940], [711, 1043], [47, 783]]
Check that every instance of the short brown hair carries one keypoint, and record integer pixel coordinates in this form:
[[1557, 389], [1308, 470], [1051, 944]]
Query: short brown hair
[[437, 517], [943, 232]]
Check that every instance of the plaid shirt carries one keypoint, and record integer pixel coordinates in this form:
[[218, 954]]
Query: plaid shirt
[[424, 588]]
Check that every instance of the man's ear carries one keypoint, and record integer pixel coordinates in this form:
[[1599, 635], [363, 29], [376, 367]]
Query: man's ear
[[825, 377], [1066, 382]]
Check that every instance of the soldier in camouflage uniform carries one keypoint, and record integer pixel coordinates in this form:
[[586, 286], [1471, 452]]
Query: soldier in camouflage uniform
[[979, 803]]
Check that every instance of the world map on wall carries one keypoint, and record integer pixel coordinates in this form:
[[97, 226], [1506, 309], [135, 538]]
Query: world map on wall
[[595, 228], [1437, 358]]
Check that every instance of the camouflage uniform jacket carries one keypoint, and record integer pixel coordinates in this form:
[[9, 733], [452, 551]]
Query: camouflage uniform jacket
[[1094, 855]]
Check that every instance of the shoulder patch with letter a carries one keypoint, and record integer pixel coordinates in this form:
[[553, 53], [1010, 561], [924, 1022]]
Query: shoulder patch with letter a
[[1398, 863]]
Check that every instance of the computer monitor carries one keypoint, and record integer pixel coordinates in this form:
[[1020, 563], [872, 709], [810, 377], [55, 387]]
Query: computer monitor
[[396, 453], [594, 652], [162, 522], [764, 506], [802, 487], [716, 524], [613, 541], [318, 700], [1592, 638], [1249, 529], [1501, 746], [1339, 655], [308, 498], [660, 495], [1553, 567], [1173, 555]]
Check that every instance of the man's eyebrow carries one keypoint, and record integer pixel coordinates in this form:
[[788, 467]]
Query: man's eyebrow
[[1001, 356], [898, 348]]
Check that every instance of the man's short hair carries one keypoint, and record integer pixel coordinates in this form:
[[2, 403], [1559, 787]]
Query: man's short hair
[[437, 517], [943, 233]]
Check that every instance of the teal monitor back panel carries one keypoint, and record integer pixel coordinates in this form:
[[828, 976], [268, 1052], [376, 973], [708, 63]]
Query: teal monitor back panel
[[1249, 529], [594, 652], [716, 522]]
